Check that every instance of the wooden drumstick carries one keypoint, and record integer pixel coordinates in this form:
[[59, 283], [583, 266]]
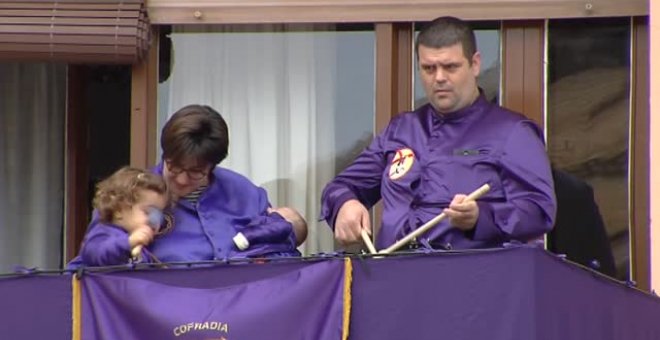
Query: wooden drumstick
[[430, 224], [154, 220], [136, 251], [367, 241]]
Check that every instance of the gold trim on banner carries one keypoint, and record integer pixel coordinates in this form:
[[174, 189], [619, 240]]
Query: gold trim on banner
[[348, 280], [75, 308]]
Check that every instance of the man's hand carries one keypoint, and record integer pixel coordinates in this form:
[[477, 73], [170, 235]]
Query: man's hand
[[462, 214], [141, 236], [351, 219]]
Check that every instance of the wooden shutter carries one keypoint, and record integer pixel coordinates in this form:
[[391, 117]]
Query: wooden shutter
[[74, 31]]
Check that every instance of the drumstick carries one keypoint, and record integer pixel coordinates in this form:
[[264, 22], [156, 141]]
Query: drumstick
[[367, 241], [135, 252], [430, 224], [154, 220]]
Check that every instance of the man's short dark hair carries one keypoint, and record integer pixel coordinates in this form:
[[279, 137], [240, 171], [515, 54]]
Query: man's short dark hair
[[195, 132], [445, 32]]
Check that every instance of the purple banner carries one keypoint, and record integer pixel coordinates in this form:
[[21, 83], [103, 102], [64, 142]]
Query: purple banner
[[445, 296], [302, 302], [517, 293], [35, 307]]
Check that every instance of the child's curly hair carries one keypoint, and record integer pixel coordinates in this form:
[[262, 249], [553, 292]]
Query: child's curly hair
[[122, 190]]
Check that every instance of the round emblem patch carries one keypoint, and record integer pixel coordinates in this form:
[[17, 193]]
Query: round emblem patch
[[401, 163]]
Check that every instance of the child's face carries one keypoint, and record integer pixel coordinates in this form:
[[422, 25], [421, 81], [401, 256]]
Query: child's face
[[138, 215]]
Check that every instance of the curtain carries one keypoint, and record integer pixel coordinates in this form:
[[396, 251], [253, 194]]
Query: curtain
[[32, 107], [276, 91]]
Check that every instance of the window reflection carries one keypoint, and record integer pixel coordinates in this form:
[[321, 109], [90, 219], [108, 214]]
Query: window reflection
[[299, 101], [588, 99]]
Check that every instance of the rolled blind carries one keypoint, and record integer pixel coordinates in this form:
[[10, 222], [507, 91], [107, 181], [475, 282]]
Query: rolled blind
[[74, 31]]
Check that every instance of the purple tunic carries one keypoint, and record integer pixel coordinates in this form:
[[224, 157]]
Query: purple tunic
[[422, 159], [204, 231], [106, 245]]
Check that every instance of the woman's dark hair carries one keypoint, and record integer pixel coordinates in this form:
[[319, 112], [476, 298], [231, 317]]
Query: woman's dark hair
[[195, 132]]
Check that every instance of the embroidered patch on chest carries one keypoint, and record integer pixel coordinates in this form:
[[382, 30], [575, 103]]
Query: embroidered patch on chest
[[402, 162]]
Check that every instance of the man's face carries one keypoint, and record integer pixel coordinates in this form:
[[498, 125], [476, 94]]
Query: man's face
[[449, 79]]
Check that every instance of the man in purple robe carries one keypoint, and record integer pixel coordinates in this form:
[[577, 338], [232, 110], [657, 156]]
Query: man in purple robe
[[426, 161]]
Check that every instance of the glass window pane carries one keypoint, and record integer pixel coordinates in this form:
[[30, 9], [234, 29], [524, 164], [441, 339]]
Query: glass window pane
[[488, 45], [32, 116], [299, 101], [588, 97]]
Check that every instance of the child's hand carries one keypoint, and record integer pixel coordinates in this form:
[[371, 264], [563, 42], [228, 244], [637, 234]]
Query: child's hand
[[141, 236]]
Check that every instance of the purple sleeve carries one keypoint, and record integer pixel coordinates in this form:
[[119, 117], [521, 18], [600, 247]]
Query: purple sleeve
[[105, 245], [267, 233], [361, 180], [271, 228], [530, 205]]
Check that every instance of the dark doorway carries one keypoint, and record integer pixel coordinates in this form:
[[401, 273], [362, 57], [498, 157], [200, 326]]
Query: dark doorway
[[99, 114]]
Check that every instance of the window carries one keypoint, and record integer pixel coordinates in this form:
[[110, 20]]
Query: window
[[588, 98], [298, 99], [32, 107]]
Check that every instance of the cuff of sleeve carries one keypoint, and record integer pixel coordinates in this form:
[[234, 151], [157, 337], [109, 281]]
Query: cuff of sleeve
[[241, 241], [485, 229], [330, 214], [124, 246], [291, 239]]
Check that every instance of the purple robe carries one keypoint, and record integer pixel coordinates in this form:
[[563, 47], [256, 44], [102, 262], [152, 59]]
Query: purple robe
[[106, 245], [204, 231]]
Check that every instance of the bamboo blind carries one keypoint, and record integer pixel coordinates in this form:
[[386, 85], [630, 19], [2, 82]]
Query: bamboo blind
[[74, 31]]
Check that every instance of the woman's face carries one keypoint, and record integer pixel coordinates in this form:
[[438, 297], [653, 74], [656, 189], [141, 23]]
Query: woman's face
[[185, 177]]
